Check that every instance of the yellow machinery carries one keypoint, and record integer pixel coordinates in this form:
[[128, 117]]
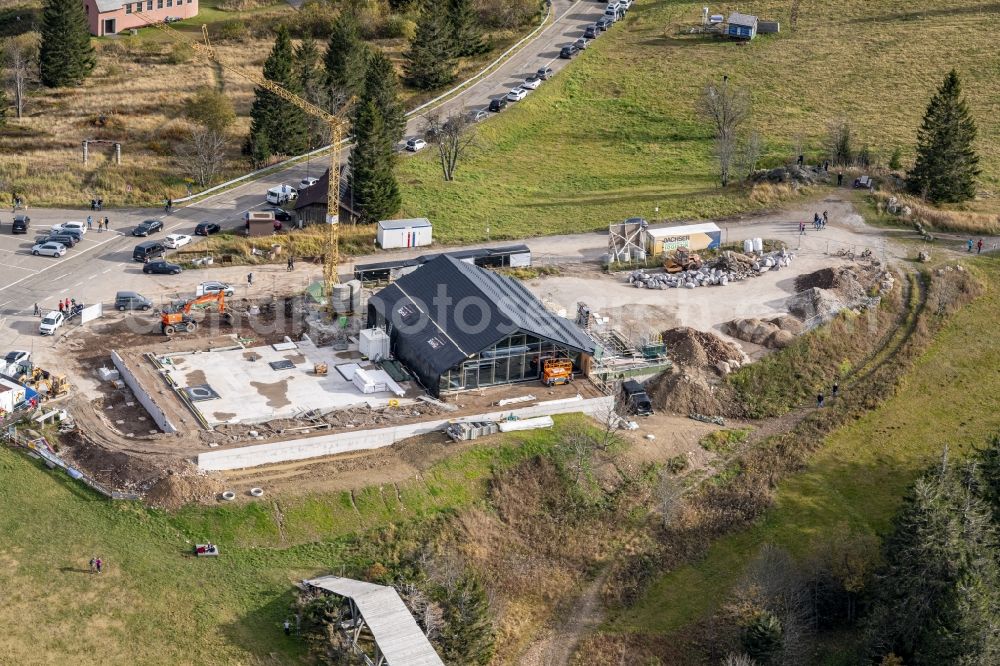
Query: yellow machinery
[[47, 384], [557, 371], [682, 260], [179, 319], [331, 251]]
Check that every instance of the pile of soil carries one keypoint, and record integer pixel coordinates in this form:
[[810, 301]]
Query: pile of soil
[[691, 348], [824, 293], [683, 392], [114, 469], [821, 279], [175, 490]]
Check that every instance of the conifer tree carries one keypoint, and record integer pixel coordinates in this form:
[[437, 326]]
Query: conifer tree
[[277, 126], [381, 86], [430, 61], [468, 636], [947, 165], [466, 35], [345, 60], [373, 184], [65, 56], [936, 599]]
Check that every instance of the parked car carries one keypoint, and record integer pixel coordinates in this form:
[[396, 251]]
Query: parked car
[[174, 241], [308, 181], [65, 239], [130, 300], [281, 194], [71, 226], [161, 267], [591, 32], [568, 52], [20, 224], [147, 227], [280, 214], [214, 287], [49, 249], [625, 4], [51, 323], [16, 356], [581, 43], [498, 104], [148, 250], [532, 82], [544, 73], [517, 94], [207, 229], [479, 115], [413, 145], [604, 23]]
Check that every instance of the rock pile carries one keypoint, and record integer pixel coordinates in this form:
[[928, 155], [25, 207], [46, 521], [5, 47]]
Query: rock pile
[[728, 267], [775, 333], [824, 293], [792, 173]]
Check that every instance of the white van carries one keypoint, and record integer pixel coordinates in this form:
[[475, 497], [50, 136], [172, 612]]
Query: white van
[[281, 194]]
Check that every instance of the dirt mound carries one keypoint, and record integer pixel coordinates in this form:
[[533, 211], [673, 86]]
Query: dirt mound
[[821, 279], [175, 490], [115, 469], [683, 392], [691, 348]]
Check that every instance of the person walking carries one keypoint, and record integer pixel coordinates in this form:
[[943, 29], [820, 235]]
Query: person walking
[[249, 279], [291, 264], [826, 218], [60, 305], [93, 565], [840, 179], [107, 224], [802, 228], [836, 389], [819, 400], [288, 627], [979, 246], [98, 564], [968, 245], [90, 222], [38, 312]]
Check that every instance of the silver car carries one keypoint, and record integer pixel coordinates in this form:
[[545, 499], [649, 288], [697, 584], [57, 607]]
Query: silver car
[[50, 249]]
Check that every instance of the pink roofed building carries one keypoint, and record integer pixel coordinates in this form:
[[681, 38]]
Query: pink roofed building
[[109, 17]]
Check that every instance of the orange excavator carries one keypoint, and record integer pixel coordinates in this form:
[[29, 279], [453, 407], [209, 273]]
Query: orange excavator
[[179, 319]]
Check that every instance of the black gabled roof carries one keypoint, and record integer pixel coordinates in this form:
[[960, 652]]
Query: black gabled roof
[[438, 310]]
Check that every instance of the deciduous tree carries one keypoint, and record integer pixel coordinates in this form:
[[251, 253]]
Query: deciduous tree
[[452, 136], [21, 57], [727, 108]]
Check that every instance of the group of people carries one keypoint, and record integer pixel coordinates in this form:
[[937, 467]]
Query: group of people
[[18, 202], [96, 565], [978, 245], [819, 222], [834, 392], [96, 204], [102, 223], [66, 306]]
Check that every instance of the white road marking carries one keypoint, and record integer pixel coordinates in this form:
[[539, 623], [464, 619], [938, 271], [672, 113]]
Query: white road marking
[[107, 270], [20, 268], [60, 277]]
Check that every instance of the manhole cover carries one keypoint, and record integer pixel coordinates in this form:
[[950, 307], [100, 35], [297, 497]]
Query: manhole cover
[[281, 365], [200, 392]]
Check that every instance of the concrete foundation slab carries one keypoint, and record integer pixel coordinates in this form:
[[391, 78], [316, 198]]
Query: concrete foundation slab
[[250, 391]]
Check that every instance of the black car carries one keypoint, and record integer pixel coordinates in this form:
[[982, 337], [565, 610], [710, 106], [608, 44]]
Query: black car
[[20, 224], [568, 52], [544, 73], [207, 229], [147, 227], [591, 32], [498, 104], [69, 240], [604, 23], [161, 268], [280, 214]]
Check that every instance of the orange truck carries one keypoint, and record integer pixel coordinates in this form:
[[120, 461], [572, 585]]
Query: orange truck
[[557, 371]]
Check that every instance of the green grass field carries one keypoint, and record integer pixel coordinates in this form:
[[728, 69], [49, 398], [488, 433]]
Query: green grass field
[[615, 133], [855, 482], [158, 605]]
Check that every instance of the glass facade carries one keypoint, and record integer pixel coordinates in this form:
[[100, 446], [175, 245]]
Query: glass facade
[[516, 358]]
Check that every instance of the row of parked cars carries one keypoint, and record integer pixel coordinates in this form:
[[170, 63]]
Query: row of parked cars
[[613, 13], [59, 239]]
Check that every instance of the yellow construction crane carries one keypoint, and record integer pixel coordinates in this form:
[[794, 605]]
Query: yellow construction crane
[[331, 259]]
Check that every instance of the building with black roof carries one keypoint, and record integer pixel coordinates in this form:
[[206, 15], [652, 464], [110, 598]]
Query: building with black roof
[[458, 326]]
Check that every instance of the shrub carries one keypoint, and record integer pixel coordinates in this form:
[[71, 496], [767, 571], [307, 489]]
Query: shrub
[[506, 14], [180, 53], [234, 30], [677, 464]]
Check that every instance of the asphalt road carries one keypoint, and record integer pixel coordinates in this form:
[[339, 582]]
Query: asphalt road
[[102, 263]]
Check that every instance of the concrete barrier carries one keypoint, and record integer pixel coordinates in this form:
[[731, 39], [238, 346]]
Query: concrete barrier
[[343, 442], [146, 400]]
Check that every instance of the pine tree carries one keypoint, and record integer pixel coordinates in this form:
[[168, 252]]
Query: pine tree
[[66, 56], [345, 60], [466, 35], [947, 165], [373, 184], [277, 126], [988, 477], [382, 87], [4, 104], [311, 82], [467, 637], [430, 62], [936, 599]]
